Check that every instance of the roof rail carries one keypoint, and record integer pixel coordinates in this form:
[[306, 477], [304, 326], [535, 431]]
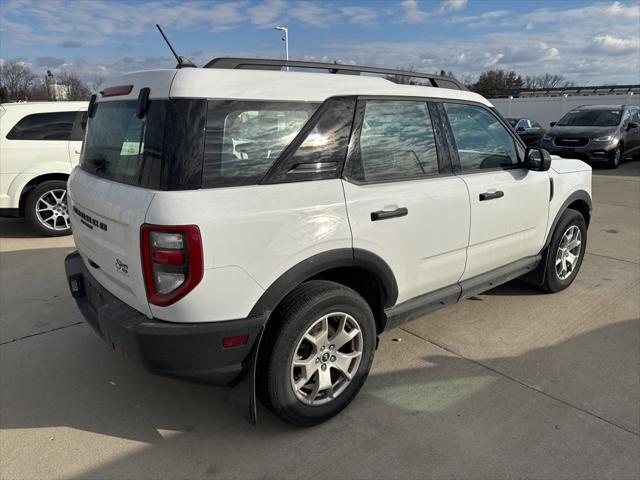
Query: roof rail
[[274, 64]]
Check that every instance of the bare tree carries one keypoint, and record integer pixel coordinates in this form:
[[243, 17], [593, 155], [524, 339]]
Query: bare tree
[[547, 80], [18, 80], [95, 84], [78, 90]]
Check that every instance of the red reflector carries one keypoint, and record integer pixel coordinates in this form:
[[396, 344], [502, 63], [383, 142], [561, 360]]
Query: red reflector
[[167, 257], [115, 91], [235, 341]]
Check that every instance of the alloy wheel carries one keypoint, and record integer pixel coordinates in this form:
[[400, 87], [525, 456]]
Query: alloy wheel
[[568, 252], [51, 210], [326, 358]]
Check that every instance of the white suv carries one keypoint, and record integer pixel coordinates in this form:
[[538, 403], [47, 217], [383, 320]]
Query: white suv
[[261, 228], [40, 144]]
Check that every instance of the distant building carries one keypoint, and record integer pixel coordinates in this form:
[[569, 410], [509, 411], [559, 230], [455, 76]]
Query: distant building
[[56, 91]]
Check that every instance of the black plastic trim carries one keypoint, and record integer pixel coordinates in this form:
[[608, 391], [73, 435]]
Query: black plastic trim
[[277, 64], [342, 257], [189, 351], [577, 195], [432, 301]]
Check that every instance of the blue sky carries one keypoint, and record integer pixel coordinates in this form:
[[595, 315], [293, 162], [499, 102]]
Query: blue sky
[[589, 42]]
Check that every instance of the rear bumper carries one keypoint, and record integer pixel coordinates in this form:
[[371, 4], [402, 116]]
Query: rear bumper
[[190, 351]]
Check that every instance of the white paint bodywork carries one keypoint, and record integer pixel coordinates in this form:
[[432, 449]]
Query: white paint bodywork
[[253, 234], [270, 85], [21, 161]]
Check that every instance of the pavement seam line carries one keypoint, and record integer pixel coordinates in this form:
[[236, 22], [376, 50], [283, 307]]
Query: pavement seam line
[[40, 333], [613, 258], [520, 382]]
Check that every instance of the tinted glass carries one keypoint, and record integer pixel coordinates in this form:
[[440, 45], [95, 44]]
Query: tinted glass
[[116, 147], [79, 127], [397, 141], [163, 150], [482, 141], [44, 126], [244, 138], [320, 151], [592, 118]]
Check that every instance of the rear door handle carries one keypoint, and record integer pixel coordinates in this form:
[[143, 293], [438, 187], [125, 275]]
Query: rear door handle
[[491, 195], [384, 214]]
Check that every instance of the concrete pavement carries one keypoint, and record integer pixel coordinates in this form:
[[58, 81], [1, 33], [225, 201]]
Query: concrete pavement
[[510, 384]]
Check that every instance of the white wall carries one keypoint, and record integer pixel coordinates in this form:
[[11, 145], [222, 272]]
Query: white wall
[[549, 109]]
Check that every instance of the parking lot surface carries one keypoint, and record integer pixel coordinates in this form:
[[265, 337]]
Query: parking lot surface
[[509, 384]]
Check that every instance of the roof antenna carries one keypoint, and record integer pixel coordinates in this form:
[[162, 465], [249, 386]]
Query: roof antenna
[[183, 62]]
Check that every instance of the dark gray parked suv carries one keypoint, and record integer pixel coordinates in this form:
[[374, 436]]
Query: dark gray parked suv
[[597, 134]]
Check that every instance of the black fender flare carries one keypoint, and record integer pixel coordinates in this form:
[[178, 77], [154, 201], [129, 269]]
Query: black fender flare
[[536, 277], [581, 195], [321, 262]]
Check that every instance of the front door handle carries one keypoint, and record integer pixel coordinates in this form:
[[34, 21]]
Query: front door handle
[[384, 214], [491, 195]]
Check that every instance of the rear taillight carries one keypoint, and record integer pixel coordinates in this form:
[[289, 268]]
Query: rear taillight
[[171, 260]]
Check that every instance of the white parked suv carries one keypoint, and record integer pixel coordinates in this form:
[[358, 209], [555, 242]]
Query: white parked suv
[[40, 143], [239, 225]]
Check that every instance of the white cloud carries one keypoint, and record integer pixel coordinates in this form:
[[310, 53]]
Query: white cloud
[[453, 5], [267, 14], [313, 13], [412, 12], [360, 15], [608, 44]]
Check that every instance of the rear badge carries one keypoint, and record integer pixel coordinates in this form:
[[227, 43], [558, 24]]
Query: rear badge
[[121, 267]]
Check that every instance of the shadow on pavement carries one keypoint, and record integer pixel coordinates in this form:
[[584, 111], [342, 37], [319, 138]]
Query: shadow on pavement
[[629, 168], [16, 228]]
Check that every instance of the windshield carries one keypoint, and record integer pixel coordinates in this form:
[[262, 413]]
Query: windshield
[[591, 118]]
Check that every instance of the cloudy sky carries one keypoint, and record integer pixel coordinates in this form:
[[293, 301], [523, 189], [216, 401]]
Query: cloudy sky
[[589, 42]]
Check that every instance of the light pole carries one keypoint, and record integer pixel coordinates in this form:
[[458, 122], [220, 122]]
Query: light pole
[[286, 42]]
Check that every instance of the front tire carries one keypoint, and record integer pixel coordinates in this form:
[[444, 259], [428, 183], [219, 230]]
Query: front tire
[[566, 251], [46, 209], [317, 354], [615, 157]]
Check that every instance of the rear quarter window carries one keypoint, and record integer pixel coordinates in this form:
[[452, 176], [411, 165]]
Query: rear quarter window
[[44, 126], [245, 138]]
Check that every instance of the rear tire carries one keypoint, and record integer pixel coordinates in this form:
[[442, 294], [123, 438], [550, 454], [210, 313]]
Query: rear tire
[[46, 209], [566, 251], [305, 374]]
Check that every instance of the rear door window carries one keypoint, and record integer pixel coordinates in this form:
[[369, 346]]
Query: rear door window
[[44, 126], [244, 138], [396, 141]]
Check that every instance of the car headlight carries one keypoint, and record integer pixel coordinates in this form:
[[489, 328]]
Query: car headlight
[[547, 137], [607, 138]]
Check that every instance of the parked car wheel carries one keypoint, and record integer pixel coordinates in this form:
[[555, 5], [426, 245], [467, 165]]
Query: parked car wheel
[[566, 251], [616, 157], [314, 361], [46, 208]]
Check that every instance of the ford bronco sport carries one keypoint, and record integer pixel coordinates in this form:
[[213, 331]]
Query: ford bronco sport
[[241, 225]]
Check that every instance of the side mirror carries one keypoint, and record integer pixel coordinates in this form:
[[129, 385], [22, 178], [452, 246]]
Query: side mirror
[[537, 159], [553, 124], [632, 125]]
